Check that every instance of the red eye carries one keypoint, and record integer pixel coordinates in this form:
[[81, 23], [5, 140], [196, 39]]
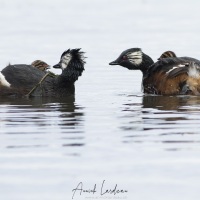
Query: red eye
[[124, 57]]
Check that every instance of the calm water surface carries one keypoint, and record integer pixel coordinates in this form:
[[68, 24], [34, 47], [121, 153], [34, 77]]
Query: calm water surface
[[148, 145]]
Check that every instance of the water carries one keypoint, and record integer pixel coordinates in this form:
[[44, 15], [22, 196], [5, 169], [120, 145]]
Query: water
[[147, 145]]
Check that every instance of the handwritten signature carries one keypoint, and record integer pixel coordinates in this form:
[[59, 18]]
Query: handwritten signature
[[93, 190]]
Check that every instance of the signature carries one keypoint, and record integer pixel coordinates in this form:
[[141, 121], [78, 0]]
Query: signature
[[79, 189]]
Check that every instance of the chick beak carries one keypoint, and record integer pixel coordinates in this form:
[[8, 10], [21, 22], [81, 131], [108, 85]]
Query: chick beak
[[48, 67]]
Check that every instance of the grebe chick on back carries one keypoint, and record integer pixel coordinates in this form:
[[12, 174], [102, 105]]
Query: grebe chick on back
[[43, 66], [167, 54]]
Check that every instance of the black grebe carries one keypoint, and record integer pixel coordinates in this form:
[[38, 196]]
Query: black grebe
[[21, 79]]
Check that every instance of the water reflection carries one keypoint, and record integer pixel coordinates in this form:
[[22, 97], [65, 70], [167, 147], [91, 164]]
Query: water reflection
[[38, 120], [169, 102], [164, 102], [162, 119]]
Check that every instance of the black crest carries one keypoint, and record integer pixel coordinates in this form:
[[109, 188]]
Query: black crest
[[76, 54]]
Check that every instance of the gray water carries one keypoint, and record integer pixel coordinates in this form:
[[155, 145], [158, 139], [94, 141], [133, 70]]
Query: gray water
[[110, 132]]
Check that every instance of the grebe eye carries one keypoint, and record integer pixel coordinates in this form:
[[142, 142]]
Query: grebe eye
[[124, 57]]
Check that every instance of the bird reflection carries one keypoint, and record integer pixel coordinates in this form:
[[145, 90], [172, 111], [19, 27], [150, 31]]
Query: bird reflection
[[161, 119], [157, 109], [67, 111], [165, 102], [61, 117]]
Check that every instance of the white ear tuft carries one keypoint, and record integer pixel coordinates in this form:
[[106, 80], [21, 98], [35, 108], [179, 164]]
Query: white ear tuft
[[65, 60], [135, 57]]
